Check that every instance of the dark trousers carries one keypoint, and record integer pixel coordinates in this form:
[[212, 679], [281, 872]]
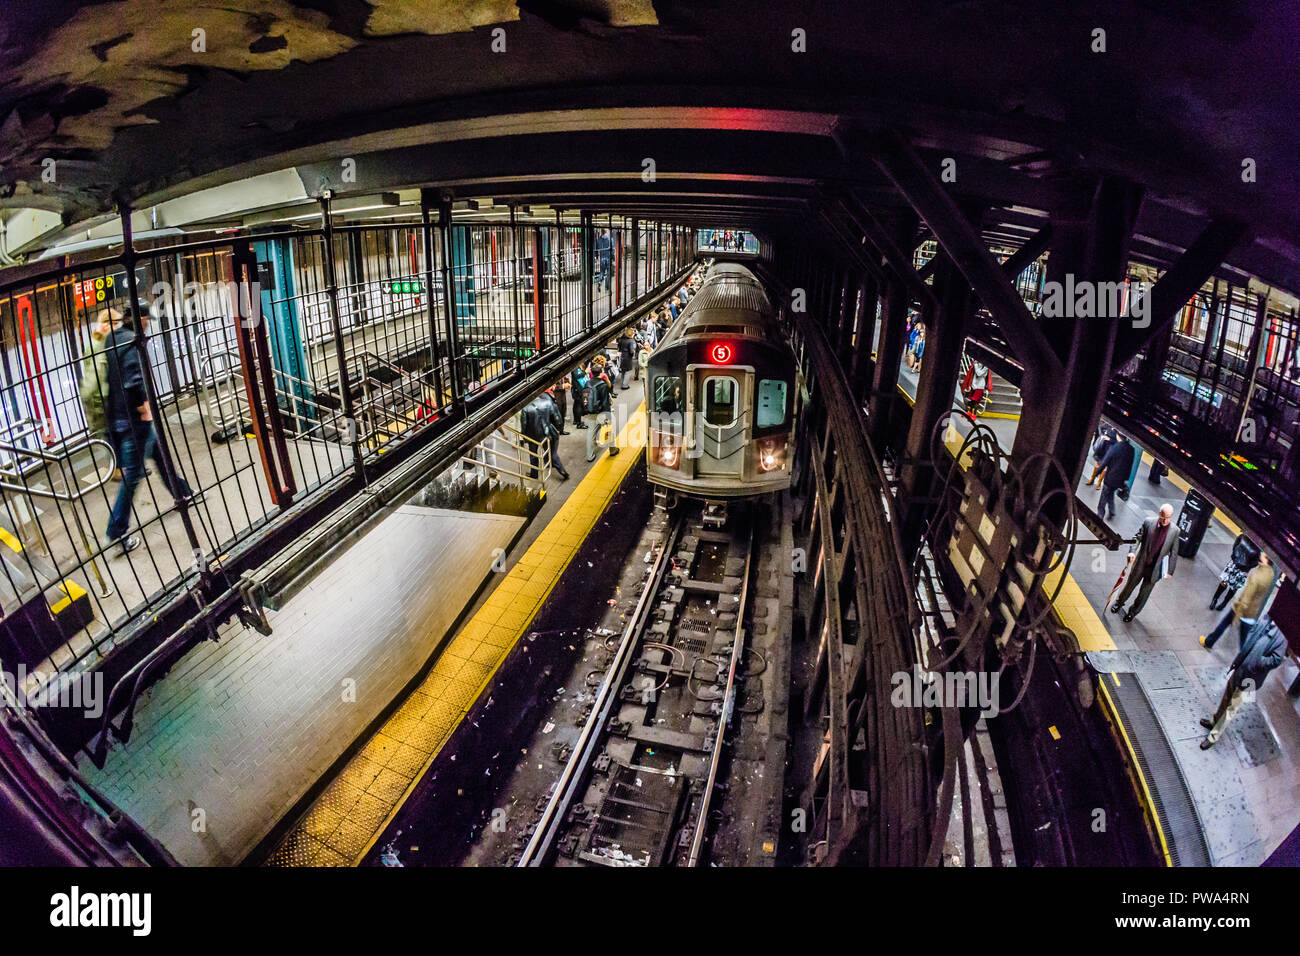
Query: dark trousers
[[562, 403], [135, 442], [1134, 579], [1242, 629], [1107, 501]]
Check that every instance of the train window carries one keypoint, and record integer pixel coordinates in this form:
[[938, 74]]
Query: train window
[[771, 403], [668, 394], [720, 399]]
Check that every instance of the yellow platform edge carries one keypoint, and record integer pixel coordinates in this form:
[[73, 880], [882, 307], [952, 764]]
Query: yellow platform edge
[[471, 659]]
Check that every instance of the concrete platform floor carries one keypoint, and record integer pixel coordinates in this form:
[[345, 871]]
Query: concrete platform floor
[[241, 728]]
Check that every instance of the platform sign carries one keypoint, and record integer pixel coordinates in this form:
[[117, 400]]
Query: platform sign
[[92, 292], [404, 287]]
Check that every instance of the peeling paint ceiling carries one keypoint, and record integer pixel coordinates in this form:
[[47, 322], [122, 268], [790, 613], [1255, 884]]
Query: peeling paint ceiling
[[126, 102]]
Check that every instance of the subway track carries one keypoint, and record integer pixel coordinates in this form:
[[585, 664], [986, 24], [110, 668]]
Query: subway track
[[638, 786]]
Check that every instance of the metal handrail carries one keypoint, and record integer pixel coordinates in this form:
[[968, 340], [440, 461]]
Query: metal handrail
[[539, 458], [105, 589], [50, 459]]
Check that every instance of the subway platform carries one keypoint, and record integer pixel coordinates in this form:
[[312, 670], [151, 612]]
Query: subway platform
[[1245, 790]]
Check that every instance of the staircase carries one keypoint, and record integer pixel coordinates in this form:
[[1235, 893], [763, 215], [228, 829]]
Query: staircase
[[1004, 398], [505, 474]]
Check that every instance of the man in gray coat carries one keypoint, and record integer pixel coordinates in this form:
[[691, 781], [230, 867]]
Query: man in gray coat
[[1263, 649], [1152, 559]]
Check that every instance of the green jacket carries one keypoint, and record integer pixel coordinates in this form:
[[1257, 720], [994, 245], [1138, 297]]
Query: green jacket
[[1250, 602]]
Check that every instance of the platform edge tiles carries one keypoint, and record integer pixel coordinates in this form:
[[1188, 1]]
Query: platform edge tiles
[[332, 834]]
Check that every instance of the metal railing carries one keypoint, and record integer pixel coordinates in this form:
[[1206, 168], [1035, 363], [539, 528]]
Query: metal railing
[[74, 493], [530, 469]]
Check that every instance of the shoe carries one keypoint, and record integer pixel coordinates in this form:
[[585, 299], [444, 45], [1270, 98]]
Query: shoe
[[564, 475], [613, 452], [1116, 608], [127, 543], [1207, 743], [590, 460], [116, 475], [1128, 616], [565, 432], [1207, 723], [583, 427], [1201, 641]]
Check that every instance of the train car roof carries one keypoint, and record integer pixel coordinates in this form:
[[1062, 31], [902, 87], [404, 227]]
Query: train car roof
[[733, 302]]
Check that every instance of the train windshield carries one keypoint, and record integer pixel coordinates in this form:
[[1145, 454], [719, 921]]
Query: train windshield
[[720, 399], [668, 394], [771, 403]]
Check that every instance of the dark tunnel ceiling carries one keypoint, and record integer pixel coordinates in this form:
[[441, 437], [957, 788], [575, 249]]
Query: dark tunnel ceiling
[[737, 123]]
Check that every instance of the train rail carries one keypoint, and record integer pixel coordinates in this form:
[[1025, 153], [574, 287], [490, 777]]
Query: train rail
[[638, 786]]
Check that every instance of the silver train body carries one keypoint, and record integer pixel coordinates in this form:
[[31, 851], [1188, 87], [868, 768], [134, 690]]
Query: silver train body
[[721, 391]]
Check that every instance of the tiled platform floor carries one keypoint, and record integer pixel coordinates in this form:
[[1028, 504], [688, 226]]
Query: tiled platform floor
[[243, 727]]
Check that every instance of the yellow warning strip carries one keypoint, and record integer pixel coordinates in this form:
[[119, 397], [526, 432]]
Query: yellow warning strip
[[382, 776], [1137, 768], [71, 591], [1071, 606], [1075, 612], [10, 542]]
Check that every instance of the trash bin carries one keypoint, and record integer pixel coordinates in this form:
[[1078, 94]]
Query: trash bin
[[1192, 522]]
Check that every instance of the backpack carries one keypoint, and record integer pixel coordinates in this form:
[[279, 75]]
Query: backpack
[[94, 385], [589, 396]]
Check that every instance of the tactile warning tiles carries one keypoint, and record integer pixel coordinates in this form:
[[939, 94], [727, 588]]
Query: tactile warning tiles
[[349, 816]]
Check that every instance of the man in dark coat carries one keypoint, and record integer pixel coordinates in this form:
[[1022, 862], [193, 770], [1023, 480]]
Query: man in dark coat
[[130, 421], [1117, 465], [1153, 558], [553, 424], [1263, 649]]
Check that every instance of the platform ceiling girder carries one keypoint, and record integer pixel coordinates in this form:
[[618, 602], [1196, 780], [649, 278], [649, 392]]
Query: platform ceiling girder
[[1021, 102]]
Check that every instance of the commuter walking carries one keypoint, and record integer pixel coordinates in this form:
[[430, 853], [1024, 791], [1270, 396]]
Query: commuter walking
[[1153, 559], [578, 381], [130, 421], [604, 258], [553, 422], [1250, 602], [1262, 650], [627, 355], [596, 408], [1244, 558], [1105, 438], [1116, 467], [643, 362], [533, 423], [560, 395]]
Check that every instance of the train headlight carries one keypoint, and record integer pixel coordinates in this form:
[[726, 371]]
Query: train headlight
[[771, 454]]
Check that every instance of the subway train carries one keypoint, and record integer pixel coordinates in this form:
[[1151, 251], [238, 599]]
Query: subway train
[[722, 389]]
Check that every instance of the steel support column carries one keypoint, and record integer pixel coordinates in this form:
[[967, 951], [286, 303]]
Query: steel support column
[[1091, 242], [340, 352], [945, 342]]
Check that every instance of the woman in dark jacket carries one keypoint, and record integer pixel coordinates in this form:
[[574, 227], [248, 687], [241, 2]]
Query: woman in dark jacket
[[1245, 555], [627, 355]]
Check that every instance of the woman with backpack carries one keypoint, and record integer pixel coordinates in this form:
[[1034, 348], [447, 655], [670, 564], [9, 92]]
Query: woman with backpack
[[578, 383]]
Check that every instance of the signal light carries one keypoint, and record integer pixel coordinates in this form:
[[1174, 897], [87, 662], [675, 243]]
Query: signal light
[[720, 353]]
